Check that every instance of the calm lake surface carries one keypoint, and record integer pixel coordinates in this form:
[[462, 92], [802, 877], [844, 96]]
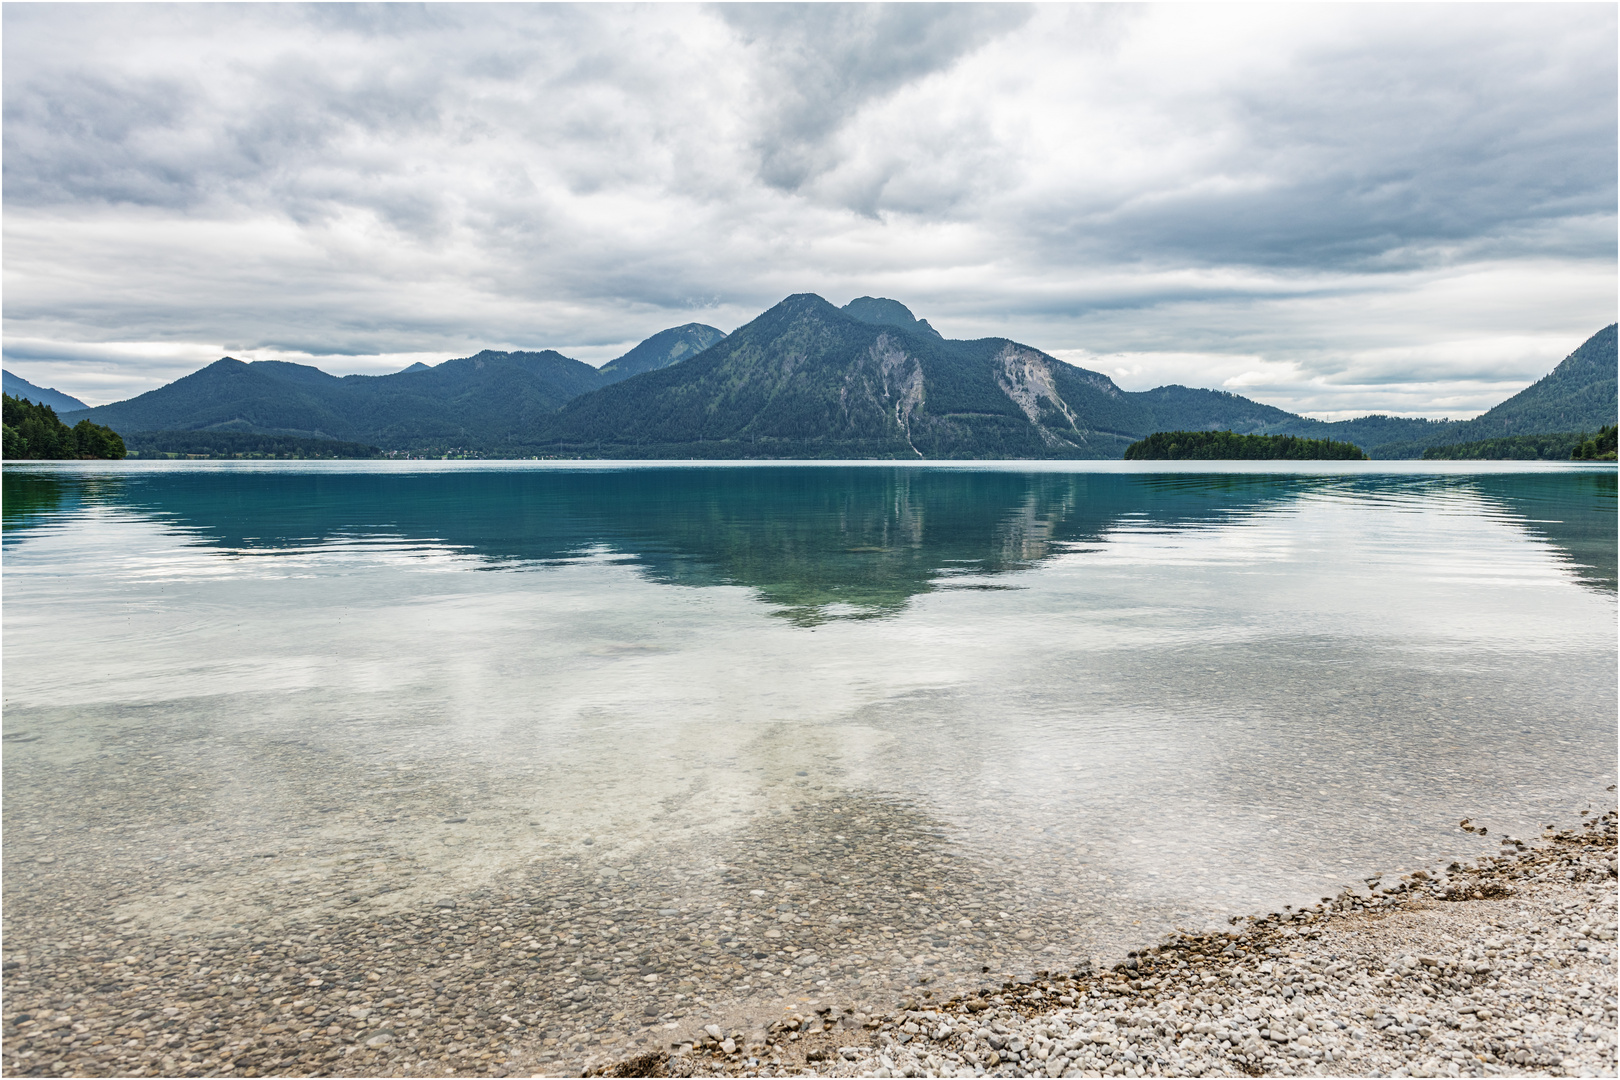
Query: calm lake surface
[[859, 729]]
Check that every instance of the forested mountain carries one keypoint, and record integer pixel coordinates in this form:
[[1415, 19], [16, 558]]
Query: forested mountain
[[661, 350], [465, 402], [19, 387], [470, 402], [882, 312], [1579, 395], [807, 379], [1181, 408], [797, 382], [1381, 436], [490, 399], [229, 395], [804, 379]]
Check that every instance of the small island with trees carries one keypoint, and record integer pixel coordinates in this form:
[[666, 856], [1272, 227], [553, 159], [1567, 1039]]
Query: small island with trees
[[33, 433], [1230, 446]]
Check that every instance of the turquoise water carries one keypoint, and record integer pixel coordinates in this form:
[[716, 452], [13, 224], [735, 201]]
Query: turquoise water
[[1125, 698]]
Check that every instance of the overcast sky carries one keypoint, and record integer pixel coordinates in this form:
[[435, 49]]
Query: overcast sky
[[1337, 210]]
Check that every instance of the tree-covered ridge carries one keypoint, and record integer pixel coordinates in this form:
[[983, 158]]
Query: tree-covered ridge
[[805, 379], [1601, 447], [490, 397], [809, 380], [1553, 447], [33, 433], [1580, 394], [19, 387], [880, 311], [1228, 446], [238, 444], [661, 350]]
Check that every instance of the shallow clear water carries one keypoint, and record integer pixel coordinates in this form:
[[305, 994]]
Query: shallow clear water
[[1080, 703]]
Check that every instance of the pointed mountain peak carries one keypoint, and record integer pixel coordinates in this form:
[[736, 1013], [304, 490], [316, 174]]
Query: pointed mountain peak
[[797, 304]]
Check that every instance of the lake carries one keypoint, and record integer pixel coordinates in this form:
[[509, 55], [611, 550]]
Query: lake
[[625, 746]]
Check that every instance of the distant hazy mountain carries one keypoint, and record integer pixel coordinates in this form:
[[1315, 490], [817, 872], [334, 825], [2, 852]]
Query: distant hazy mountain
[[489, 401], [19, 387], [1181, 408], [661, 350], [1381, 436], [493, 397]]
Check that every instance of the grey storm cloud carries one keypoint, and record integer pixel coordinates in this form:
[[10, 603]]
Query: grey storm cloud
[[816, 65], [1330, 208]]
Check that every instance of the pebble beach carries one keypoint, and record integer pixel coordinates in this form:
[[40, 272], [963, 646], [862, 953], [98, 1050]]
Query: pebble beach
[[1503, 967]]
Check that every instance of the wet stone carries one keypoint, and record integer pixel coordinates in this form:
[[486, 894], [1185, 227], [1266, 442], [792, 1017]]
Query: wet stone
[[288, 947]]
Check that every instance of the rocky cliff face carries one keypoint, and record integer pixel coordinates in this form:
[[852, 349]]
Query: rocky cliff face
[[1026, 377], [888, 380], [806, 379]]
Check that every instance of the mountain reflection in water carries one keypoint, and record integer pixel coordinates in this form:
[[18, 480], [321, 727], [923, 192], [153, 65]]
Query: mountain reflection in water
[[814, 543], [927, 726]]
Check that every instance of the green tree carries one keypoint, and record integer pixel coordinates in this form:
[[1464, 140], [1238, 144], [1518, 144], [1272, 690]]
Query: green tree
[[1601, 447], [33, 432], [1229, 446]]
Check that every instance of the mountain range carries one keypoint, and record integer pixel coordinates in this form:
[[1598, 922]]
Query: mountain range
[[804, 379], [19, 387]]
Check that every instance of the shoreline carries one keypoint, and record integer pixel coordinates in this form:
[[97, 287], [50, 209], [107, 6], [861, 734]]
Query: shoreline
[[466, 987], [1504, 967]]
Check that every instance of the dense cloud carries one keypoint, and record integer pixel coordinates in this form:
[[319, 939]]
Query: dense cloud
[[1333, 209]]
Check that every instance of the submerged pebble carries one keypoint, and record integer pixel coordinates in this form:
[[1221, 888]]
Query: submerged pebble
[[1507, 968]]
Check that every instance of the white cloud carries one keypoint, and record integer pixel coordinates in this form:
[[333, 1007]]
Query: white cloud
[[1341, 208]]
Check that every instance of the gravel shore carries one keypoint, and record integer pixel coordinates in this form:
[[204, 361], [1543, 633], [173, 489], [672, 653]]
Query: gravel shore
[[1507, 967], [578, 965]]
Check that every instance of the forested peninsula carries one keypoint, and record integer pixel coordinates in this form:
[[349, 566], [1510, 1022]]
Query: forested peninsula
[[1228, 446], [33, 432], [1602, 447], [1562, 446]]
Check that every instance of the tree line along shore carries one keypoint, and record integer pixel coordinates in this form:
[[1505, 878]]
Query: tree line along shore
[[33, 432]]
